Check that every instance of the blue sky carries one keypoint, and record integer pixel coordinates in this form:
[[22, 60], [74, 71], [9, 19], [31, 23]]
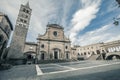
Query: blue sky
[[84, 21]]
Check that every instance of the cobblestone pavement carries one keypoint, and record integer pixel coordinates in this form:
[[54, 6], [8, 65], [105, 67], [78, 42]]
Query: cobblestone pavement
[[80, 70]]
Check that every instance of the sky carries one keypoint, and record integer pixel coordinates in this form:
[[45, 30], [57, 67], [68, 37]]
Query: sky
[[85, 21]]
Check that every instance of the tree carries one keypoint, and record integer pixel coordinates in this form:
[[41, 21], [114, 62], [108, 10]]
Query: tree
[[116, 21], [118, 1]]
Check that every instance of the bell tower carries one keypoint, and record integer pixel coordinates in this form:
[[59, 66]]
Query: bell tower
[[20, 32]]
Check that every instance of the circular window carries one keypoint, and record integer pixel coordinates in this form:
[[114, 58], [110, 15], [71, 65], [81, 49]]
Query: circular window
[[55, 33], [42, 46], [1, 38]]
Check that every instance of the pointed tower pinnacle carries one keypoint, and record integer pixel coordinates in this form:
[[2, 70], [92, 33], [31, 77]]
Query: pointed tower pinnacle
[[27, 4]]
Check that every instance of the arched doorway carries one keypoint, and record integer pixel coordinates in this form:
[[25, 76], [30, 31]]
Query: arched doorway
[[42, 56], [30, 57], [84, 53], [88, 53], [112, 57], [56, 52], [67, 56], [93, 53], [98, 51]]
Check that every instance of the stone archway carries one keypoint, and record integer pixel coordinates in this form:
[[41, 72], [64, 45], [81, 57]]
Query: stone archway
[[98, 51], [30, 57], [93, 53], [113, 57], [56, 53], [67, 55], [42, 55]]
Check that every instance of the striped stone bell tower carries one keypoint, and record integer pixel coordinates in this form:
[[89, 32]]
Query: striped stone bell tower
[[20, 32]]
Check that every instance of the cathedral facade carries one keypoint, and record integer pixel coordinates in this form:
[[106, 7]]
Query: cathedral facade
[[53, 44]]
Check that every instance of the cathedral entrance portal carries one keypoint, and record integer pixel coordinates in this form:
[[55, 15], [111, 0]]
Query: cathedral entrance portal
[[42, 56], [56, 53], [67, 56]]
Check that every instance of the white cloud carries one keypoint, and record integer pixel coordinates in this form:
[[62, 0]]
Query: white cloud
[[83, 17], [104, 34], [43, 11]]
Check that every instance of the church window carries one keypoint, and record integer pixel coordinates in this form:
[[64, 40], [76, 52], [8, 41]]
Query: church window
[[55, 33], [20, 24], [21, 20], [27, 11], [26, 16], [25, 21], [42, 46], [24, 10]]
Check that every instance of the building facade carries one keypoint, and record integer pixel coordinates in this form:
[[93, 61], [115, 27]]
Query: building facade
[[89, 50], [5, 31], [113, 49], [54, 44], [30, 52], [97, 50], [20, 32], [73, 53]]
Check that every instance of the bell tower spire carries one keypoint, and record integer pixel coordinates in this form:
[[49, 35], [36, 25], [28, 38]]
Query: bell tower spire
[[27, 4]]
